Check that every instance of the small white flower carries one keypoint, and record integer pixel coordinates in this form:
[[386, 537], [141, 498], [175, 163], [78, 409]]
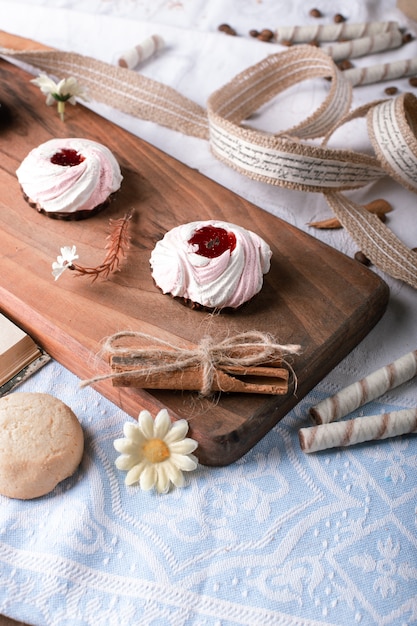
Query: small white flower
[[64, 261], [156, 452], [66, 90]]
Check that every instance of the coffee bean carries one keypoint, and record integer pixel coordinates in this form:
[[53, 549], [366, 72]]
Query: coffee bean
[[345, 65], [413, 81], [391, 91], [266, 35], [225, 28], [359, 256], [316, 13], [254, 33], [338, 18]]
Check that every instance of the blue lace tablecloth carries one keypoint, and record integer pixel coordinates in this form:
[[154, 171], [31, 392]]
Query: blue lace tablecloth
[[279, 537]]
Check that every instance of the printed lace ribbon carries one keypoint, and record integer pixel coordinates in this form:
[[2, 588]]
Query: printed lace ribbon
[[285, 159]]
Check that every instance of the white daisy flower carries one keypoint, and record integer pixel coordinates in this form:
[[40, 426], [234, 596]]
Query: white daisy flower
[[64, 261], [156, 452], [66, 90]]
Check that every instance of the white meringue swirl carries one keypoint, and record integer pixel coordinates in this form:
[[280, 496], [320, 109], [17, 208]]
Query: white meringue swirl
[[69, 188], [225, 281]]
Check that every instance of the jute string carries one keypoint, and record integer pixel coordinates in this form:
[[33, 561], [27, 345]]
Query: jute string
[[161, 357], [285, 159]]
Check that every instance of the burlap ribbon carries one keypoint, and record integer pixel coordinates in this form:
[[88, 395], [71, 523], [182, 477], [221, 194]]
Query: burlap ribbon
[[285, 159]]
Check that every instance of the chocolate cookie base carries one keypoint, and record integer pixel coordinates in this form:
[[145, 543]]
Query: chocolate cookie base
[[196, 306], [76, 215]]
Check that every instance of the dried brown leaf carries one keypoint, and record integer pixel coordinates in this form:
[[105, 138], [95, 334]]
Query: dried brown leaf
[[117, 247]]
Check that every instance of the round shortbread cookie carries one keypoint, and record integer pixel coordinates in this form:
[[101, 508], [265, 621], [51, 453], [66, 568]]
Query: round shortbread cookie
[[41, 443]]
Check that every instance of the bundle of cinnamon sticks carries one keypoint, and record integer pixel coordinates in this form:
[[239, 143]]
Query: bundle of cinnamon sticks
[[140, 372], [250, 362]]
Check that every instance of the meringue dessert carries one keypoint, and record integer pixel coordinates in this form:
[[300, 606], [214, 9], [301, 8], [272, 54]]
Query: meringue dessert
[[210, 264], [69, 178]]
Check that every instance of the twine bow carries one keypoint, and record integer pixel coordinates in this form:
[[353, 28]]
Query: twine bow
[[162, 357], [284, 159]]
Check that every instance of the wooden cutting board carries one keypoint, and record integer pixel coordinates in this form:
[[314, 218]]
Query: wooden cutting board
[[313, 295]]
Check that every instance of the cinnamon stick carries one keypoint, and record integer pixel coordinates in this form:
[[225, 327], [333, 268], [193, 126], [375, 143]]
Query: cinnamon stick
[[249, 362], [266, 379]]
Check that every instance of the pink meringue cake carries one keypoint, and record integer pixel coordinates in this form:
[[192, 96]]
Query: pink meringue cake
[[69, 178], [210, 264]]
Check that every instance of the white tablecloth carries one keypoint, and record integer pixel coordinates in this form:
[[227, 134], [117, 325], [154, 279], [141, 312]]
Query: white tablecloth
[[279, 537]]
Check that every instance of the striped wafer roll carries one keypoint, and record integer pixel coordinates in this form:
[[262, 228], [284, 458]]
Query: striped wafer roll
[[358, 430], [132, 57], [381, 72], [365, 45], [331, 32], [366, 389]]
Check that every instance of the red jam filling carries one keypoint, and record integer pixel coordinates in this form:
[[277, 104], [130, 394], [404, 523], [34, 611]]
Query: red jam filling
[[67, 156], [212, 241]]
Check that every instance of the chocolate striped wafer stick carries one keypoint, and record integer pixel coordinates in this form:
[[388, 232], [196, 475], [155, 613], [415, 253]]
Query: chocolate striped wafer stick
[[365, 45], [381, 72], [366, 389], [331, 32], [132, 57], [358, 430]]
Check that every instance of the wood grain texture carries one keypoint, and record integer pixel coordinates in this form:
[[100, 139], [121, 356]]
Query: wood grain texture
[[7, 621], [313, 295], [15, 42]]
